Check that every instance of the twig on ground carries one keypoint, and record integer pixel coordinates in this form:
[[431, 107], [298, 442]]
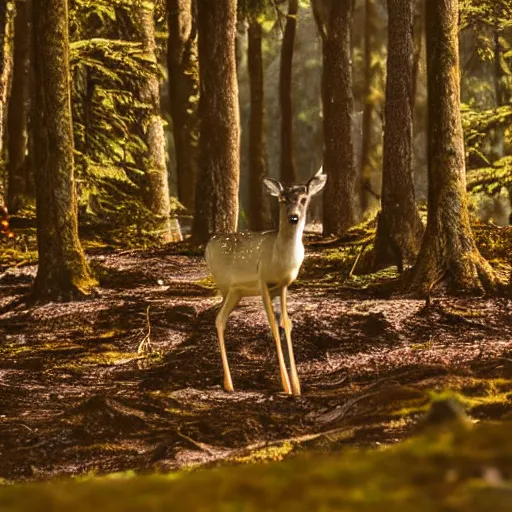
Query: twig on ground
[[197, 444], [363, 247], [145, 345]]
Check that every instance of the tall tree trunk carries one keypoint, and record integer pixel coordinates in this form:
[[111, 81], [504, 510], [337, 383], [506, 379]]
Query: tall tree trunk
[[17, 120], [399, 227], [3, 59], [183, 83], [448, 252], [217, 187], [288, 172], [5, 67], [258, 214], [366, 169], [63, 272], [157, 198], [334, 20]]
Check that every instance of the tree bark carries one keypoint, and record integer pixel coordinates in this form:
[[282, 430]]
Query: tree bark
[[258, 214], [217, 187], [334, 20], [399, 227], [448, 252], [288, 172], [63, 272], [183, 84], [157, 197], [17, 120]]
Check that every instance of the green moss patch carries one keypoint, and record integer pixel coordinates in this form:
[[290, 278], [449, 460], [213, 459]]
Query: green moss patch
[[455, 468]]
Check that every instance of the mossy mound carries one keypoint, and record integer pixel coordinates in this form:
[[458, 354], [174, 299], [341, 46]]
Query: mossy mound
[[449, 468]]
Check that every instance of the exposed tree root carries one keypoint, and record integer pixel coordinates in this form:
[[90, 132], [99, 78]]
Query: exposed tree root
[[469, 274]]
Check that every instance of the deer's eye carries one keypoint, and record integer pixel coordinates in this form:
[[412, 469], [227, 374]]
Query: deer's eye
[[303, 201]]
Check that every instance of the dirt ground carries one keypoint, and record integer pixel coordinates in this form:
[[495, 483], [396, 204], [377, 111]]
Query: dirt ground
[[76, 398]]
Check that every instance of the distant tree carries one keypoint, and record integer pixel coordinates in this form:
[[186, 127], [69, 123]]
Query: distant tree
[[399, 227], [17, 119], [183, 83], [334, 20], [5, 66], [448, 252], [288, 172], [257, 213], [369, 36], [63, 272], [218, 180], [157, 181]]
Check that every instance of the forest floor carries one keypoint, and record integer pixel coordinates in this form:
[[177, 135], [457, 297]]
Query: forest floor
[[77, 398]]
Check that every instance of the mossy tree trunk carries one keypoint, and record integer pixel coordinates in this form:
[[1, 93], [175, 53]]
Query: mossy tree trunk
[[399, 227], [334, 20], [217, 187], [63, 273], [258, 214], [183, 84], [157, 180], [17, 121], [448, 252], [288, 172], [366, 168]]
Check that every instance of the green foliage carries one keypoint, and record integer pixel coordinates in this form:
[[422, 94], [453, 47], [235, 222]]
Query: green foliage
[[107, 114], [491, 179], [496, 14]]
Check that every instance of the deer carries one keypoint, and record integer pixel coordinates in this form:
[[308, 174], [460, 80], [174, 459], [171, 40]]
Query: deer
[[253, 263]]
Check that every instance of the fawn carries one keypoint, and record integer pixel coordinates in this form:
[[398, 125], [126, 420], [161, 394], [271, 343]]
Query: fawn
[[264, 263]]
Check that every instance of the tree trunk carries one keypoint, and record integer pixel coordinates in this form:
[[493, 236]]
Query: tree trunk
[[288, 173], [399, 227], [258, 214], [3, 27], [334, 20], [17, 121], [5, 67], [366, 169], [448, 252], [63, 272], [217, 187], [183, 84], [157, 179]]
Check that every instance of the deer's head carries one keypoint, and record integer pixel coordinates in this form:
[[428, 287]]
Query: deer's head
[[294, 199]]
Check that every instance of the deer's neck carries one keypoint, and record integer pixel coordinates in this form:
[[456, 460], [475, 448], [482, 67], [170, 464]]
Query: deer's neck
[[288, 245]]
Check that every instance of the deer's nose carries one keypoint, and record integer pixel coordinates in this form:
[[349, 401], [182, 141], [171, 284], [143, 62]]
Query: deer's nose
[[293, 219]]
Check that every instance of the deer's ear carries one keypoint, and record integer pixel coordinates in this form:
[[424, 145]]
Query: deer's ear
[[317, 182], [274, 188]]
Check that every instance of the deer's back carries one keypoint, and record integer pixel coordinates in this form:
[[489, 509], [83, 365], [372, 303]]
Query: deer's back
[[234, 259]]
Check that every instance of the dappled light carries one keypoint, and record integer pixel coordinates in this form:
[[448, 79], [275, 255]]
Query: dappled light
[[255, 255]]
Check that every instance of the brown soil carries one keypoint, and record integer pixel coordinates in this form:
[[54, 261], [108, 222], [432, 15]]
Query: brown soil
[[76, 397]]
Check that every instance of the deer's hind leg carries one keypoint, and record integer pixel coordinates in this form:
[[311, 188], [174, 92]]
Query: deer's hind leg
[[230, 301]]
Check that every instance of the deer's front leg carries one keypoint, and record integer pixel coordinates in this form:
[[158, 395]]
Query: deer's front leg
[[228, 304], [287, 326], [267, 302]]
